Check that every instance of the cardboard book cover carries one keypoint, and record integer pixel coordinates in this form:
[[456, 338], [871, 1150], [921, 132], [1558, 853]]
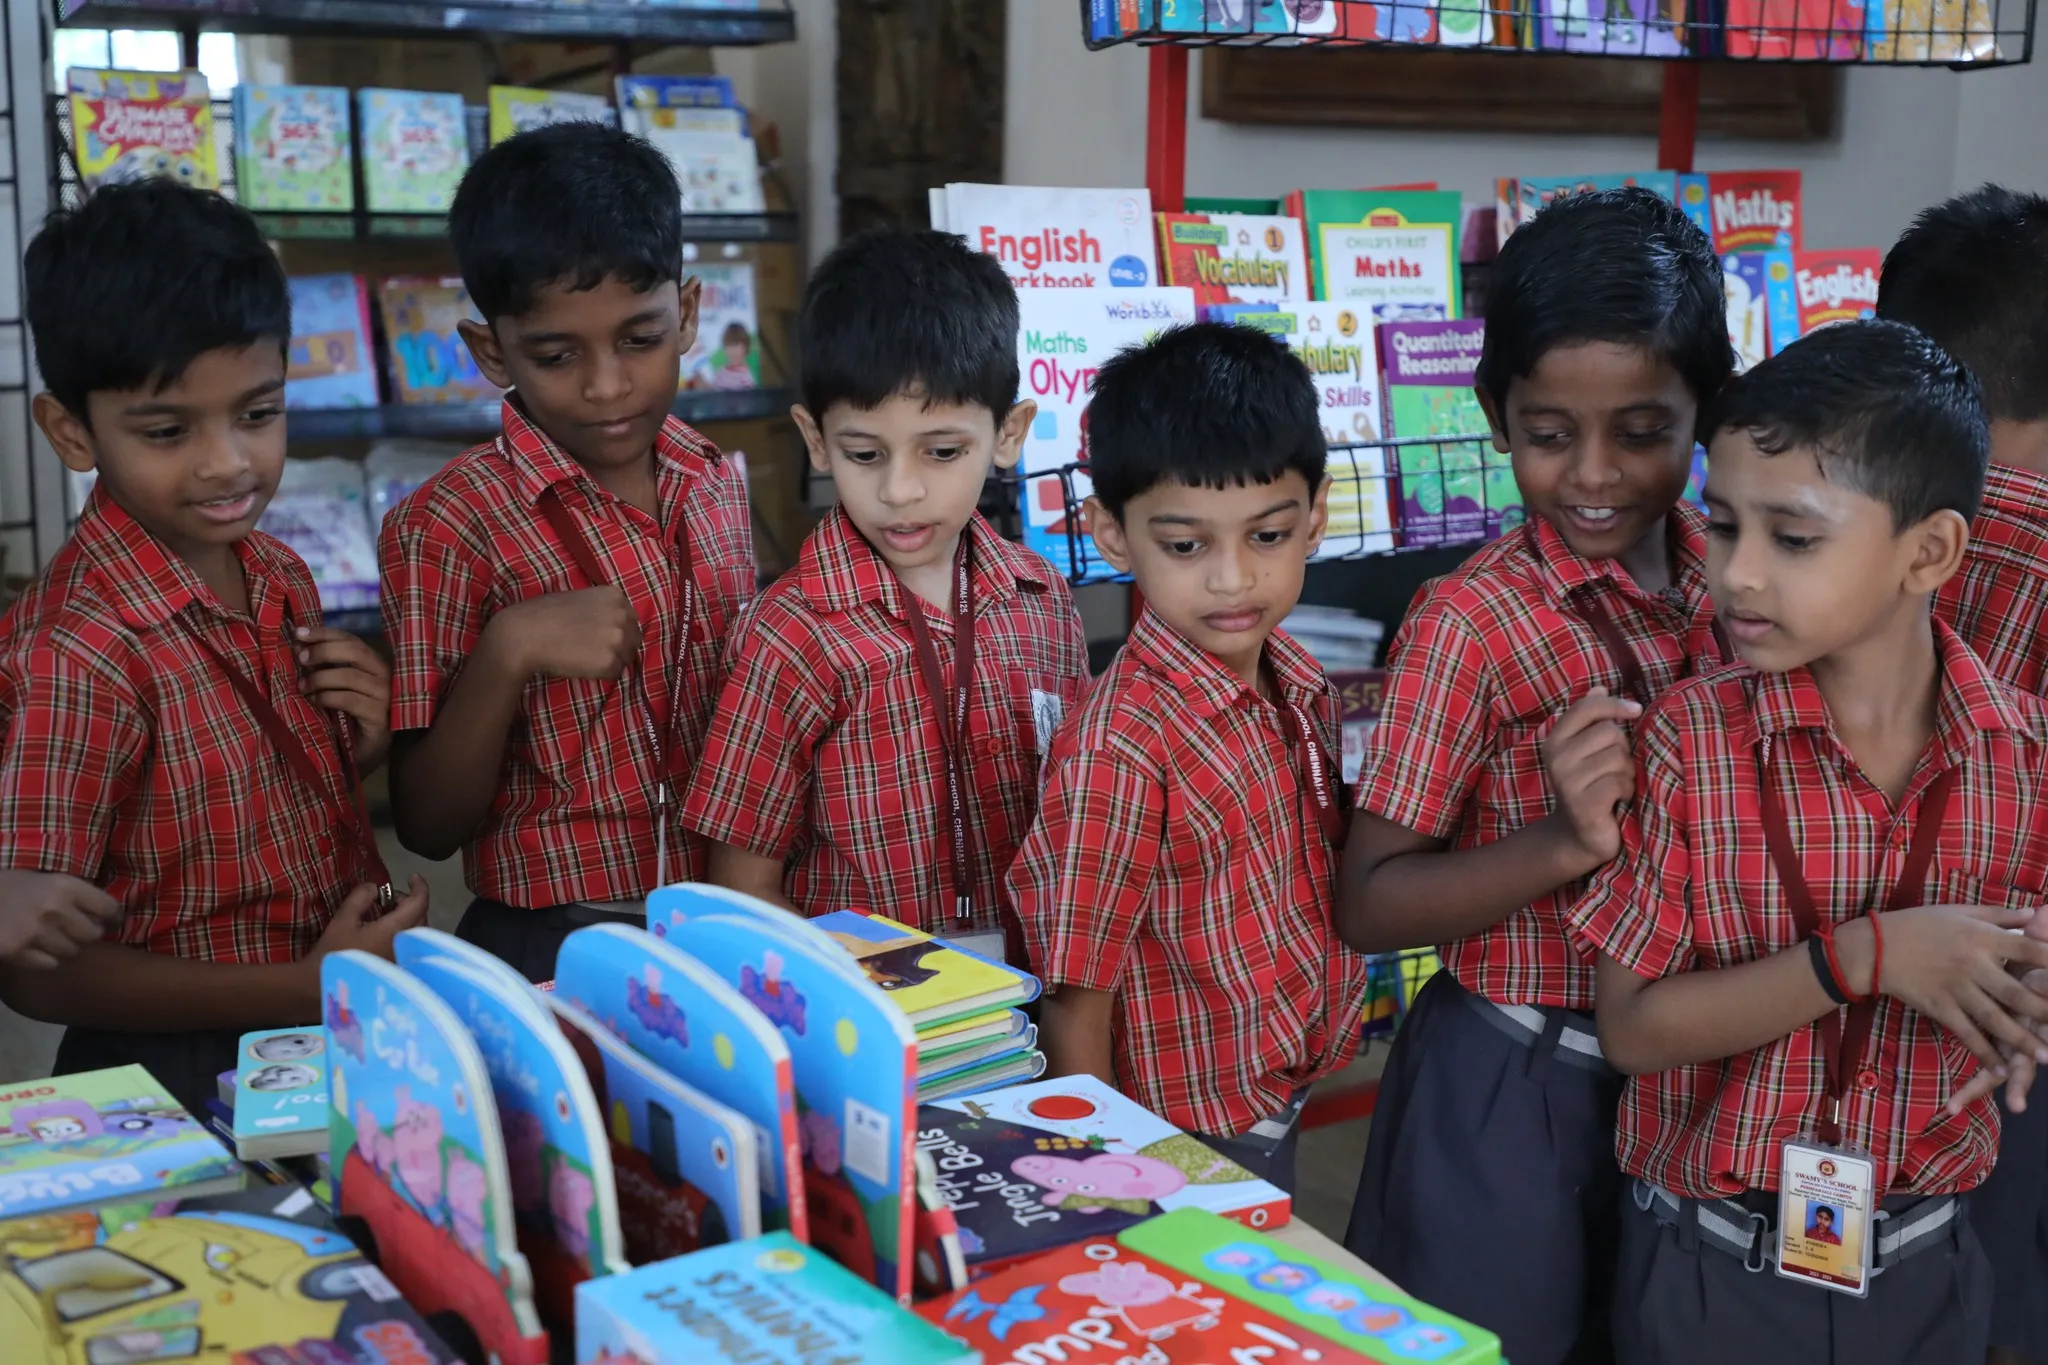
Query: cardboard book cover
[[131, 125], [100, 1138], [331, 362], [280, 1098], [294, 149], [415, 148], [932, 982], [1393, 254], [430, 362]]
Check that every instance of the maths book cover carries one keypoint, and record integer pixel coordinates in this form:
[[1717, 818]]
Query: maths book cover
[[930, 981], [1367, 1317], [564, 1197], [515, 109], [293, 149], [727, 352], [1393, 255], [331, 362], [280, 1093], [1754, 210], [130, 125], [768, 1301], [100, 1138], [1446, 496], [1614, 28], [1234, 258], [418, 1153], [1809, 290], [681, 1015], [687, 1167], [430, 362], [415, 147], [1053, 238], [1745, 281]]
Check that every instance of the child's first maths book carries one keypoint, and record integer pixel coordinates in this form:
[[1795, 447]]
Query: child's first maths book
[[1392, 254], [130, 125], [280, 1093], [415, 149], [103, 1137], [293, 148], [1234, 258], [768, 1301]]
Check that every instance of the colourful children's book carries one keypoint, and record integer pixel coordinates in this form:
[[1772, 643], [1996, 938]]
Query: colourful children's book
[[1049, 238], [727, 354], [1099, 1293], [1811, 289], [935, 1063], [931, 982], [768, 1301], [941, 1267], [418, 1153], [564, 1196], [292, 148], [1743, 278], [130, 125], [644, 99], [280, 1093], [1012, 1068], [1205, 16], [515, 110], [321, 511], [415, 148], [1234, 258], [1001, 1026], [1614, 28], [681, 1015], [100, 1138], [1529, 195], [1754, 210], [430, 362], [1366, 1317], [1954, 31], [1034, 1167], [688, 1168], [1795, 30], [671, 908], [1446, 495], [331, 362], [1393, 255], [1301, 18]]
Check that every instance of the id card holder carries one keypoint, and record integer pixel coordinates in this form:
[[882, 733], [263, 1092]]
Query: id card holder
[[988, 943], [1826, 1214]]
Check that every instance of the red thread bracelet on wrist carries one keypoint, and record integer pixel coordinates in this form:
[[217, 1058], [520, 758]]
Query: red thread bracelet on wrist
[[1877, 953], [1826, 935]]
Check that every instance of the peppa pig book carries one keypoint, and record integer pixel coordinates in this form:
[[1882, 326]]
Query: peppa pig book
[[681, 1015], [564, 1197], [418, 1153]]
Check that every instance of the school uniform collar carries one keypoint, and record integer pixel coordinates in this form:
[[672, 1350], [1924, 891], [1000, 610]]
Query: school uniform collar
[[1564, 571], [838, 570], [147, 585], [2019, 492], [1208, 686], [539, 464]]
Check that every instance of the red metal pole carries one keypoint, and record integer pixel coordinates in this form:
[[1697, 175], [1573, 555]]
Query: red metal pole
[[1166, 127], [1679, 126]]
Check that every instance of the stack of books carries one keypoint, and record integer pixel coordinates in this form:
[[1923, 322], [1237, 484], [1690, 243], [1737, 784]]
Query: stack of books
[[698, 125]]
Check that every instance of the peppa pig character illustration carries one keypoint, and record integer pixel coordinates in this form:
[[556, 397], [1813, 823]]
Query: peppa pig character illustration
[[657, 1013], [522, 1149], [1150, 1305], [1129, 1184], [822, 1146], [570, 1196], [766, 991], [343, 1025], [466, 1203], [416, 1152]]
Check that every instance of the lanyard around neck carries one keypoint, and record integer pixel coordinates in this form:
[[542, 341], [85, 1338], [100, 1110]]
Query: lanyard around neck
[[951, 711]]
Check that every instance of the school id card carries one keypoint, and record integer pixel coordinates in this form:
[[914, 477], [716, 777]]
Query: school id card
[[1826, 1199]]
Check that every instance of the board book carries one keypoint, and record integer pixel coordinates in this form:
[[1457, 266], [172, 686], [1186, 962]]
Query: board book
[[931, 982], [415, 147], [430, 362], [1809, 290], [727, 351], [1393, 255], [768, 1301], [293, 148], [516, 109], [331, 362], [980, 1028], [280, 1093], [940, 1062], [1370, 1318], [418, 1153], [1012, 1068], [682, 1016], [719, 172], [131, 125], [1055, 238], [1448, 492], [101, 1138], [1234, 258]]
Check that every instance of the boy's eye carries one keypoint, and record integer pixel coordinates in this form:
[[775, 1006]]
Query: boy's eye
[[1654, 436], [944, 453], [168, 432], [1796, 544], [552, 361], [643, 342], [1549, 440], [862, 456], [1271, 536], [1725, 530], [263, 413], [1181, 549]]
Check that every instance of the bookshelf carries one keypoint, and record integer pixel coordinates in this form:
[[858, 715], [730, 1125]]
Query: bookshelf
[[691, 25]]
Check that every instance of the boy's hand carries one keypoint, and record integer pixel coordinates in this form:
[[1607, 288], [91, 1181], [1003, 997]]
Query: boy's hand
[[1591, 771], [353, 927], [46, 917], [1949, 962], [592, 633], [342, 673]]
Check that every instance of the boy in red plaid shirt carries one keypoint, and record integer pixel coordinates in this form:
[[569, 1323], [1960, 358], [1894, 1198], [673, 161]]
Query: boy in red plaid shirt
[[1973, 274], [1175, 891], [180, 738], [1498, 751], [1803, 941], [557, 601], [836, 775]]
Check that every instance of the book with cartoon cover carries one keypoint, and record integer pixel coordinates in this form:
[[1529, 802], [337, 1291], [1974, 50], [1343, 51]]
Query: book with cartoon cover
[[727, 352], [1745, 281], [516, 109], [99, 1138], [430, 362], [1234, 258], [681, 1015], [1614, 28], [415, 147], [279, 1095], [131, 125], [418, 1153], [331, 362], [293, 149], [930, 981], [1393, 254]]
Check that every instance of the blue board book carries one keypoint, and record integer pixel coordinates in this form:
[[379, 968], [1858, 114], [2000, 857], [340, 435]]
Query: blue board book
[[419, 1155], [687, 1167], [769, 1301], [330, 362], [564, 1197], [280, 1103], [682, 1016], [671, 907], [854, 1056]]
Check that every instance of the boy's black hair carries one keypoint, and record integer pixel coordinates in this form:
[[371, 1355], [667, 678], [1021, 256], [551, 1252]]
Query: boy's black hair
[[575, 202], [141, 280], [1209, 406], [1973, 274], [896, 310], [1884, 409], [1624, 266]]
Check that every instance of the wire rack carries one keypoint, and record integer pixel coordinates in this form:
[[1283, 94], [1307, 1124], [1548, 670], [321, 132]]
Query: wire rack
[[1418, 493], [1959, 33]]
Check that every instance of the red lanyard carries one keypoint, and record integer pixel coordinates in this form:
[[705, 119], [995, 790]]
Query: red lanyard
[[1586, 606], [952, 715], [1842, 1049], [660, 754], [1315, 773], [352, 817]]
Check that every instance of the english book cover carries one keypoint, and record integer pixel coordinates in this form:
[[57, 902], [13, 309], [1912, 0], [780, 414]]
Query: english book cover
[[1050, 238], [1808, 290]]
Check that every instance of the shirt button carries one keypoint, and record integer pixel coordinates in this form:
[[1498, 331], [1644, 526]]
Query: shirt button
[[1867, 1079], [993, 746]]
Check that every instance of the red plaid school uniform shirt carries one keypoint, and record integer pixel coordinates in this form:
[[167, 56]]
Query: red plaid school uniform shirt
[[1695, 888], [1178, 861], [574, 819], [1489, 658], [1999, 602], [129, 760], [826, 750]]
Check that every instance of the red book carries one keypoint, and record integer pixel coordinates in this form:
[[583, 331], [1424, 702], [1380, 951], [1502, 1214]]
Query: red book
[[1754, 210]]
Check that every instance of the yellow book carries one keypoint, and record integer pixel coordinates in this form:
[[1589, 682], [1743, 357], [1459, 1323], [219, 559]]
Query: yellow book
[[515, 109], [933, 983], [130, 125]]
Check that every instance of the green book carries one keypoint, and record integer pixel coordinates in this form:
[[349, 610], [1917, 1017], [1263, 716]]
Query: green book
[[1392, 253]]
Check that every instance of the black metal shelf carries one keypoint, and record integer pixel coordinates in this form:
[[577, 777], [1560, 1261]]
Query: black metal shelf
[[292, 225], [601, 20], [445, 421]]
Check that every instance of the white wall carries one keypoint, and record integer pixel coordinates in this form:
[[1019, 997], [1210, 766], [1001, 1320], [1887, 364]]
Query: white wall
[[794, 86], [1908, 137]]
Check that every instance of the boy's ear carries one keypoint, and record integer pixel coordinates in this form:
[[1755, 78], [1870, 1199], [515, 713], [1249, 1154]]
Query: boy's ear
[[66, 432], [1493, 418], [1108, 534], [814, 437], [690, 301], [1938, 544], [482, 340], [1010, 436], [1318, 515]]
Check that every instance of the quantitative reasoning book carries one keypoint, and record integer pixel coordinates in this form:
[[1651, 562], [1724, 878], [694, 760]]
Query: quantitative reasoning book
[[103, 1137]]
